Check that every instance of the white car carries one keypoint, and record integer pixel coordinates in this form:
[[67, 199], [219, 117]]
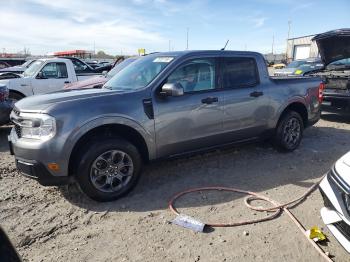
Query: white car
[[44, 76], [335, 189]]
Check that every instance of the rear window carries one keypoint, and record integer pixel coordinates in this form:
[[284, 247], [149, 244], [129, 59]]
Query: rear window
[[239, 72]]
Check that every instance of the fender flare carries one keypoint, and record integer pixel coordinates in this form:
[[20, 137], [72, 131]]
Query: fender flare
[[282, 108], [80, 131]]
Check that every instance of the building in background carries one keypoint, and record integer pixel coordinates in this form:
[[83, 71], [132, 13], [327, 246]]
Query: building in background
[[301, 48], [74, 53]]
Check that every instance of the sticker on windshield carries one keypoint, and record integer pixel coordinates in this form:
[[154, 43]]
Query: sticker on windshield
[[164, 59]]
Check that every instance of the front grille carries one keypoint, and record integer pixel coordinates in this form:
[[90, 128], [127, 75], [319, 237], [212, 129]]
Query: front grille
[[343, 228], [18, 130], [339, 181]]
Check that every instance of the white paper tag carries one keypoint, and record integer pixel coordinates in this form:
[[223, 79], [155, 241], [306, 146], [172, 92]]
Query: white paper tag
[[189, 222], [163, 59]]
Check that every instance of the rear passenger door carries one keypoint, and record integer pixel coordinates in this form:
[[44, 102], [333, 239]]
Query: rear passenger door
[[245, 103], [52, 77]]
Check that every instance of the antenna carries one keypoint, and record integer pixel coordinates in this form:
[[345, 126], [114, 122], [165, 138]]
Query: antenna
[[222, 49]]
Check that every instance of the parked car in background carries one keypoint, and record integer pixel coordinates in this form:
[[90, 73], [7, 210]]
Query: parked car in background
[[162, 105], [5, 105], [309, 66], [18, 69], [4, 64], [99, 81], [43, 76], [335, 189], [334, 48], [292, 67], [83, 68], [278, 66]]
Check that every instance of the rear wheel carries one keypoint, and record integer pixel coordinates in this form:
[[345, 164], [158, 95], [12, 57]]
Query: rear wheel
[[289, 132], [108, 169]]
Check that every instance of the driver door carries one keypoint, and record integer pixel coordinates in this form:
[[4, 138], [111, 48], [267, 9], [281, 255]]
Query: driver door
[[194, 120], [51, 78]]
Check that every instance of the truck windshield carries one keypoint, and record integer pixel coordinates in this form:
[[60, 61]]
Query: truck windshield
[[33, 68], [139, 73], [120, 66]]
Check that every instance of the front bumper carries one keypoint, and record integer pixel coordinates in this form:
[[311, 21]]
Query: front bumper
[[37, 171], [32, 159], [5, 110], [334, 214]]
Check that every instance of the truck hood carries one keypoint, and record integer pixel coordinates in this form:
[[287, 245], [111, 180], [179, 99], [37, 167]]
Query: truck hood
[[333, 45], [40, 103], [342, 166]]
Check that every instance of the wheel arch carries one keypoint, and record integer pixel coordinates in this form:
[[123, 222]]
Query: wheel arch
[[17, 92], [109, 130], [296, 106]]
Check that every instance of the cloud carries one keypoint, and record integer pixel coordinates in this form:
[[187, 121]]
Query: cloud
[[259, 22], [46, 26]]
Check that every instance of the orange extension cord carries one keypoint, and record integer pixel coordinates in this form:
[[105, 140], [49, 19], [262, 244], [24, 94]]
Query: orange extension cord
[[276, 209]]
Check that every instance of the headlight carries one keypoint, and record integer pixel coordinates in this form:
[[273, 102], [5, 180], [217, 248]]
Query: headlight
[[37, 126]]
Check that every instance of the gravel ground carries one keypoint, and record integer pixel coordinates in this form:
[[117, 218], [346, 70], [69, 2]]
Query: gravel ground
[[61, 224]]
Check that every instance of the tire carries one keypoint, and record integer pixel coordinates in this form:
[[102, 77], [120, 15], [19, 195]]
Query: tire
[[14, 97], [108, 169], [289, 132]]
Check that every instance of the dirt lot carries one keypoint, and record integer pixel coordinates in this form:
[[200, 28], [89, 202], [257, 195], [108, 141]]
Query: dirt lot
[[60, 224]]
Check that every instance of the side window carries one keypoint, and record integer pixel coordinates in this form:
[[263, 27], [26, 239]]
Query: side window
[[55, 70], [78, 66], [195, 75], [239, 72]]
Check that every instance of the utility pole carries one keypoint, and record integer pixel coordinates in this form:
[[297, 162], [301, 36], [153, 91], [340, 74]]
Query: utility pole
[[169, 45], [187, 38], [273, 42], [288, 36], [94, 48], [289, 23]]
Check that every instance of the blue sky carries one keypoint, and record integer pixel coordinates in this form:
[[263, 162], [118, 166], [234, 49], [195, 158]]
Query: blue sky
[[121, 26]]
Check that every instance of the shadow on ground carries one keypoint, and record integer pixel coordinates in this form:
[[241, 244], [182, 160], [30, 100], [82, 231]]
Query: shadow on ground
[[254, 167], [336, 118]]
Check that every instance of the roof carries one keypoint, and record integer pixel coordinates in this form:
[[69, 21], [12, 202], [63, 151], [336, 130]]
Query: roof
[[204, 52], [300, 37]]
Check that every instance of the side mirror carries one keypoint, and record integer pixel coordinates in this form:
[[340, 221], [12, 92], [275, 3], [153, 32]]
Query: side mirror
[[41, 75], [104, 73], [172, 89]]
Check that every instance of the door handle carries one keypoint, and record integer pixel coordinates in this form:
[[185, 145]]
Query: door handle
[[209, 100], [66, 82], [256, 94]]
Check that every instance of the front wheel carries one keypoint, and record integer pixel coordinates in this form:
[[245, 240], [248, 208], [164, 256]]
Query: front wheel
[[108, 169], [289, 132]]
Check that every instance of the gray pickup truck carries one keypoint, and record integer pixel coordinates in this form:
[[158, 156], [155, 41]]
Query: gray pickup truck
[[162, 105]]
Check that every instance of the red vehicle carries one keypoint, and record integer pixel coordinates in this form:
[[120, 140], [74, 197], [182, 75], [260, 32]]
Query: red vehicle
[[98, 81]]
